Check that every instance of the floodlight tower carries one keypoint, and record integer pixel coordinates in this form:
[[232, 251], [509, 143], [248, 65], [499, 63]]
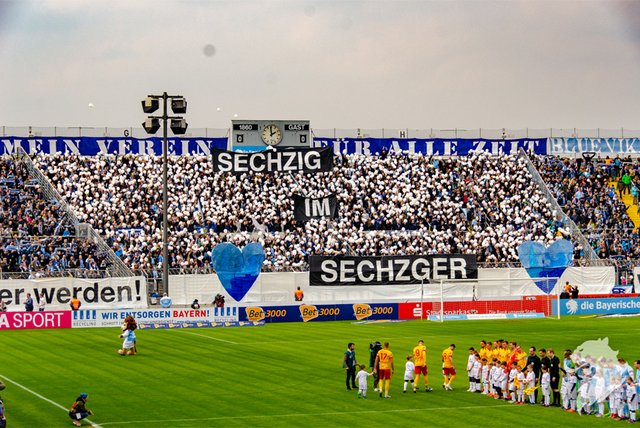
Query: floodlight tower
[[178, 126]]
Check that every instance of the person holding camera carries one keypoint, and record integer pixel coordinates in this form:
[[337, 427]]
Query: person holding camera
[[349, 363], [218, 302], [374, 348]]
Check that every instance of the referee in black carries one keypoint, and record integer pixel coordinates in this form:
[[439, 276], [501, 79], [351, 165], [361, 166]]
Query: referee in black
[[554, 371]]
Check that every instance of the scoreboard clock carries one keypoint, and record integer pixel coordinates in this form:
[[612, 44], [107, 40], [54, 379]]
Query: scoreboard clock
[[253, 135]]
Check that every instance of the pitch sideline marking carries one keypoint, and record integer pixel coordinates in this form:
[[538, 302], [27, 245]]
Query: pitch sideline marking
[[208, 337], [42, 397], [302, 415]]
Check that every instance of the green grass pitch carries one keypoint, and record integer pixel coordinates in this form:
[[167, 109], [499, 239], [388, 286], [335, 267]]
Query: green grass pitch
[[274, 375]]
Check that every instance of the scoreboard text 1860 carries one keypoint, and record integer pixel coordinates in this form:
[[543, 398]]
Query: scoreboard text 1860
[[260, 134]]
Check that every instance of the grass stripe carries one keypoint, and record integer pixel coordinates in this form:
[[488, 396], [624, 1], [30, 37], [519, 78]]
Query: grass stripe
[[207, 337], [42, 397], [293, 415]]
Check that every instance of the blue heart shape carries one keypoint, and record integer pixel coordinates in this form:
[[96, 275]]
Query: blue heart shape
[[541, 262], [237, 270]]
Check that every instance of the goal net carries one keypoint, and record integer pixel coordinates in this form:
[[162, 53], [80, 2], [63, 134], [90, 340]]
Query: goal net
[[451, 299]]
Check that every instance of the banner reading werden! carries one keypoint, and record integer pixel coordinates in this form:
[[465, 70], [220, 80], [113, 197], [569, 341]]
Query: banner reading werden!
[[352, 270], [286, 160], [305, 209]]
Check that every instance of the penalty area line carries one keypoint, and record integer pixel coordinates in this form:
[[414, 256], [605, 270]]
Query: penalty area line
[[293, 415], [42, 397], [207, 337]]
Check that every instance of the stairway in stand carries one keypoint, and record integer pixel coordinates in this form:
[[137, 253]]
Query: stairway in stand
[[632, 209]]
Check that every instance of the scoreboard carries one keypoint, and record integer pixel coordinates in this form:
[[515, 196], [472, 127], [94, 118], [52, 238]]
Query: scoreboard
[[259, 134]]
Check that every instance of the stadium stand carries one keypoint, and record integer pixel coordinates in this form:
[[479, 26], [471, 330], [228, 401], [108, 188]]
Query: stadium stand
[[588, 193], [37, 238], [389, 204]]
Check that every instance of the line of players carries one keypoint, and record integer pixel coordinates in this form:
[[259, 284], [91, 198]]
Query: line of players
[[588, 384], [381, 360]]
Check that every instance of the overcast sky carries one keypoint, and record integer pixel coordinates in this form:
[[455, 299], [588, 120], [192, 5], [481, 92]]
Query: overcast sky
[[340, 64]]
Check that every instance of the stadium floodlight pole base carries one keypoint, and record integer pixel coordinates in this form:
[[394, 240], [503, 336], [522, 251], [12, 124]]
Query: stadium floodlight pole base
[[441, 300], [422, 299], [558, 299]]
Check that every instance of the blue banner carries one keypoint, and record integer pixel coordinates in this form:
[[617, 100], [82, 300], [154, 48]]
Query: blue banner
[[94, 146], [307, 313], [606, 146], [601, 306], [197, 324], [433, 146]]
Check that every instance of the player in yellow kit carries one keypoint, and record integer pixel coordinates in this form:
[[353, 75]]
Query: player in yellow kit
[[385, 369], [448, 369], [420, 362], [504, 351]]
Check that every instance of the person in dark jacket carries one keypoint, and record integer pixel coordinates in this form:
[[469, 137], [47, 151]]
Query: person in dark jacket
[[79, 409], [554, 371], [3, 418], [349, 363], [28, 304], [374, 348]]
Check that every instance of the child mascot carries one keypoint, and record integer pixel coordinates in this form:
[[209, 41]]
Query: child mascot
[[129, 336]]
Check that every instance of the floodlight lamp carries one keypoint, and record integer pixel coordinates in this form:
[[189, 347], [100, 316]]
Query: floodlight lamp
[[179, 126], [150, 104], [179, 105], [151, 125]]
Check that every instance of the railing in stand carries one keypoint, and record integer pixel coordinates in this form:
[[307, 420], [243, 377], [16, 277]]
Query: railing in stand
[[116, 266]]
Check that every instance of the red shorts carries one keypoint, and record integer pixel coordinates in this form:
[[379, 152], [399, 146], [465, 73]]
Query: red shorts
[[448, 371], [420, 370], [384, 374]]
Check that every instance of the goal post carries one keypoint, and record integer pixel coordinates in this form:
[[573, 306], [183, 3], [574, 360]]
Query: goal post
[[491, 298]]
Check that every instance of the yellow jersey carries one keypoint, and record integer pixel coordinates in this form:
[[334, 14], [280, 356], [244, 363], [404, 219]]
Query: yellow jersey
[[522, 359], [447, 358], [384, 358], [420, 356], [504, 354], [488, 354], [483, 353]]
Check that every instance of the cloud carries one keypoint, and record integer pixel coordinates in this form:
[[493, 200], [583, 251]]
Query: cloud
[[340, 64]]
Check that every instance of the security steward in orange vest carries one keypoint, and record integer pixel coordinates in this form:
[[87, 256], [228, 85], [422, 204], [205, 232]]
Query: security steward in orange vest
[[75, 303]]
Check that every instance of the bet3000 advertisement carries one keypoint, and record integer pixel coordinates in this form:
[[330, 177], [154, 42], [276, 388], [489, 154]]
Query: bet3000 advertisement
[[306, 313]]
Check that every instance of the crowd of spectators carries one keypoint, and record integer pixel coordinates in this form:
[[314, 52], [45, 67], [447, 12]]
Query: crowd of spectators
[[389, 204], [587, 192], [36, 239]]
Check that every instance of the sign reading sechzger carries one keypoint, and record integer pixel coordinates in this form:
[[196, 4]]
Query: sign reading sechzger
[[306, 160], [348, 270]]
